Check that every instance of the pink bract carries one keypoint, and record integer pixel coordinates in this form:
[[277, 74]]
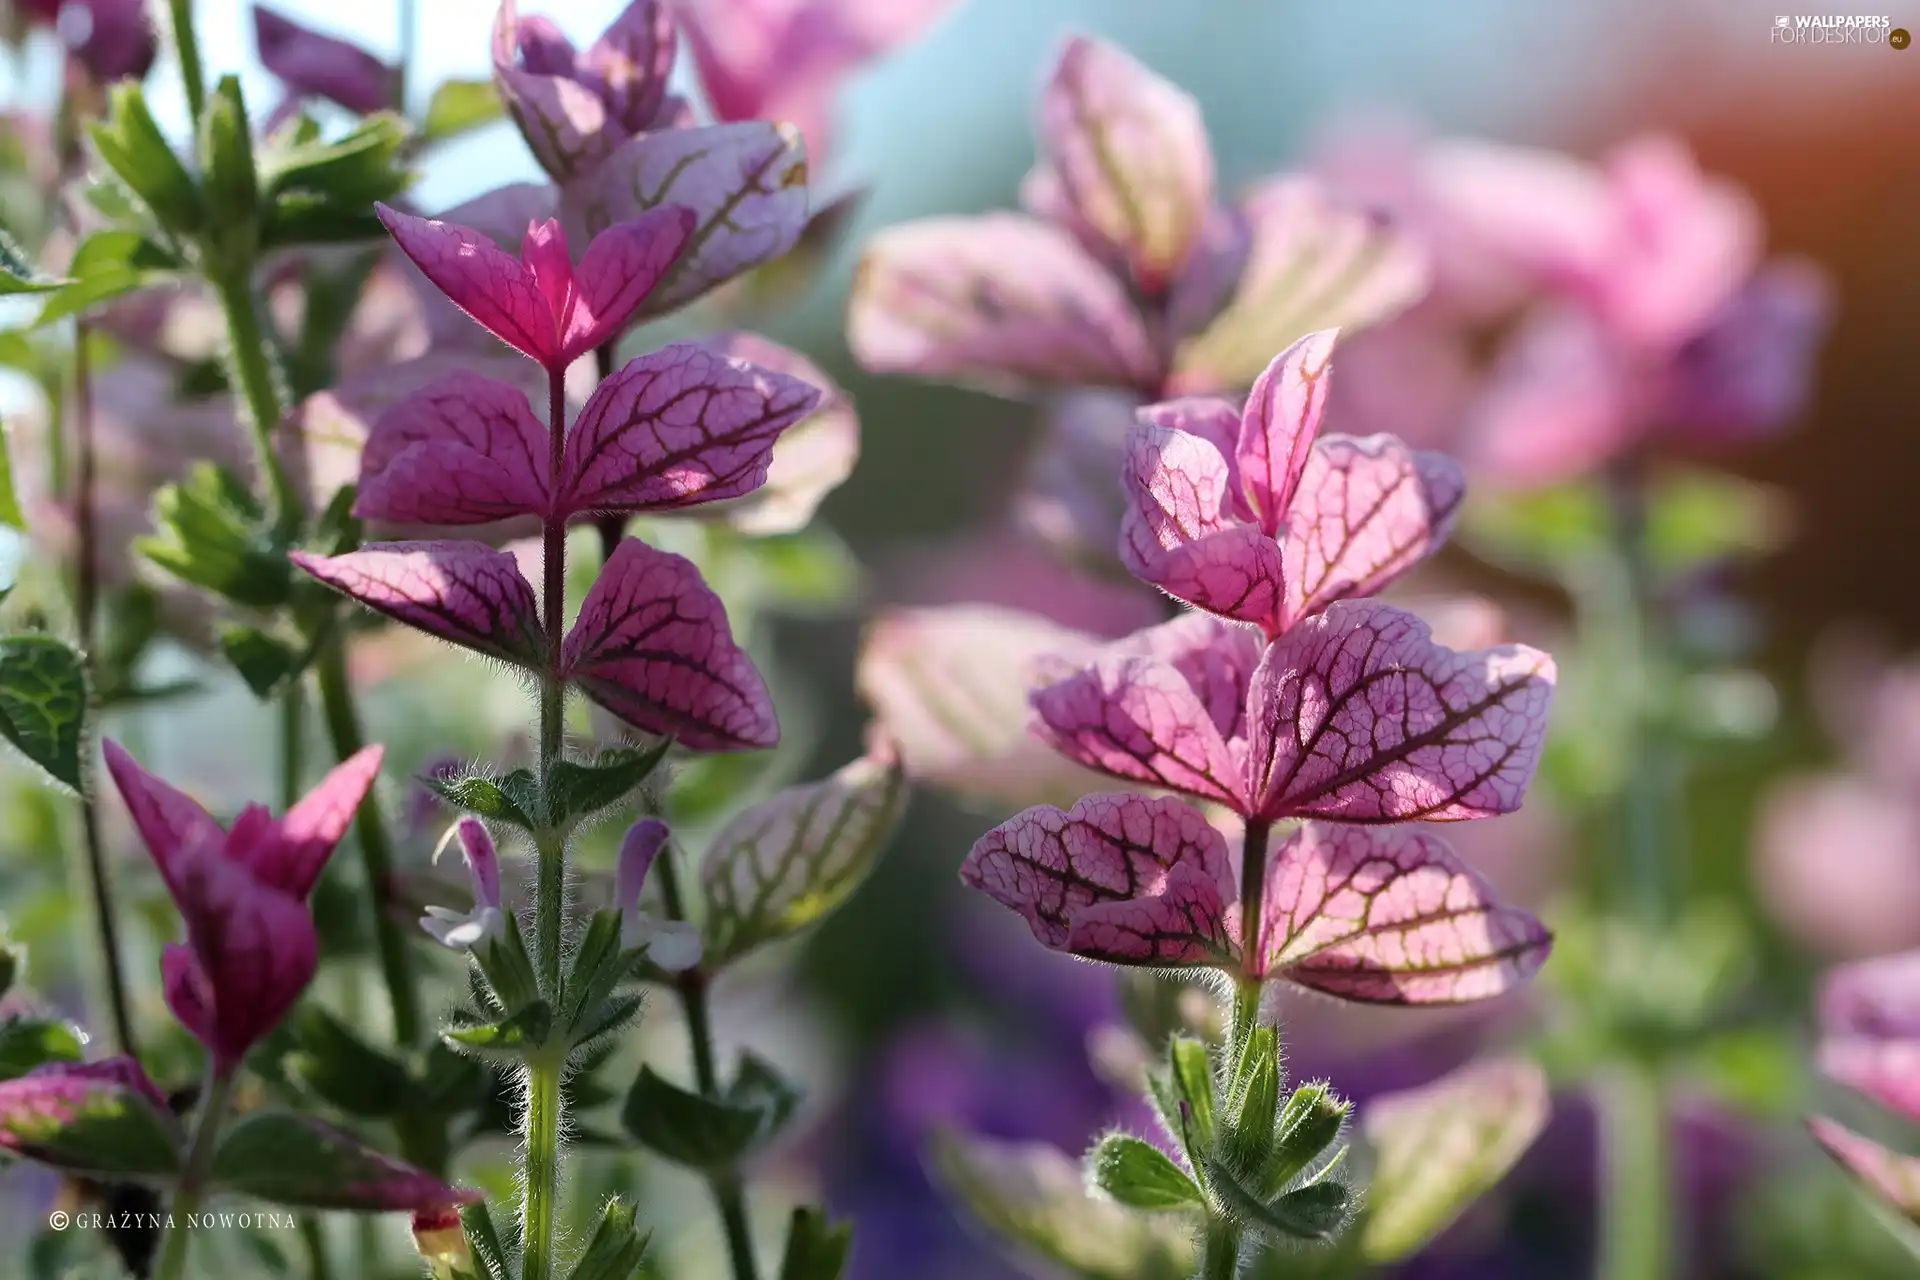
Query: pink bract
[[319, 66]]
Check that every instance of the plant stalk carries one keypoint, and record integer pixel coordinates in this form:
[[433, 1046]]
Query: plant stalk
[[1637, 1226], [1253, 893], [542, 1159], [187, 44], [214, 1102], [1220, 1250], [260, 393]]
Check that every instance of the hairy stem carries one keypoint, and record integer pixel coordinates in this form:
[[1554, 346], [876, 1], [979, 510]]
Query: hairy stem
[[187, 44], [86, 601], [541, 1135], [260, 392], [1220, 1250], [214, 1101], [550, 905]]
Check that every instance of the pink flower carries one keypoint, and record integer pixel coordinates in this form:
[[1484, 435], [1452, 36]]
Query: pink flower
[[251, 949], [486, 921], [1127, 274], [1249, 516], [575, 108], [785, 59], [540, 304], [312, 65], [1870, 1012], [112, 39], [673, 945]]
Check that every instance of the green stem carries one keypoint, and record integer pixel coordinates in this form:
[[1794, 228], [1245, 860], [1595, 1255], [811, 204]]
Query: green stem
[[260, 392], [409, 24], [1253, 891], [188, 46], [293, 733], [217, 1096], [542, 1160], [1637, 1228], [376, 848], [313, 1238], [550, 904], [1220, 1250], [729, 1194]]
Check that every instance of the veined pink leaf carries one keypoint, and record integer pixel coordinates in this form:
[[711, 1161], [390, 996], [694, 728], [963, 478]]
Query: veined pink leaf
[[1277, 430], [997, 301], [679, 427], [1894, 1178], [462, 450], [1390, 915], [479, 277], [564, 121], [1367, 511], [746, 185], [652, 645], [1100, 879], [502, 216], [630, 65], [1357, 715], [304, 837], [1215, 421], [1138, 719], [1216, 658], [1888, 1071], [167, 818], [463, 592], [620, 271], [1178, 536], [1128, 153]]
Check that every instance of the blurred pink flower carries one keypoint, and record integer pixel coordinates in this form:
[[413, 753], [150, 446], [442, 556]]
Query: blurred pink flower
[[1870, 1016], [312, 65], [112, 39]]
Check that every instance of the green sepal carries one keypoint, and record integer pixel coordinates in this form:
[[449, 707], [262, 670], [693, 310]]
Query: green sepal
[[816, 1249], [1139, 1175], [617, 1246]]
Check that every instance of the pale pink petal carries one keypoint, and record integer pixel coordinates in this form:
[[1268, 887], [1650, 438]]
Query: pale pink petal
[[1390, 915], [305, 837], [1879, 997], [168, 819], [680, 427], [1888, 1071], [1356, 715], [745, 183], [810, 459], [1177, 536], [1138, 719], [1808, 826], [463, 449], [564, 121], [620, 269], [463, 592], [1545, 213], [1367, 511], [1217, 659], [1561, 401], [481, 279], [1051, 866], [1314, 262], [950, 685], [314, 65], [1129, 153], [999, 301], [652, 645], [1278, 429], [1187, 922], [1750, 372], [1895, 1178]]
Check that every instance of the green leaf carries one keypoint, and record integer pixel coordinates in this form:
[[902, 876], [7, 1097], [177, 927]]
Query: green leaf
[[458, 106], [43, 704], [88, 1125], [137, 152], [26, 1043], [816, 1249], [707, 1133], [90, 291], [1314, 1212], [10, 513], [509, 1041], [617, 1246], [17, 273], [487, 1248], [1440, 1147], [232, 184], [1190, 1071], [264, 661], [296, 1160], [783, 864], [1035, 1199], [207, 535], [512, 798], [1254, 1101], [340, 1067], [357, 168], [1139, 1175], [579, 789]]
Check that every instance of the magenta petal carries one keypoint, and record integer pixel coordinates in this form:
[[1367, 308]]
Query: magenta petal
[[1357, 715], [1878, 997], [481, 279], [168, 819], [462, 450], [1129, 155], [1138, 719], [1893, 1177], [1888, 1071], [254, 945], [1187, 922], [745, 183], [622, 265], [1177, 536], [1278, 429], [1367, 511], [184, 984], [1052, 866], [682, 426], [464, 592], [998, 301], [1391, 916], [311, 64], [305, 837], [652, 645]]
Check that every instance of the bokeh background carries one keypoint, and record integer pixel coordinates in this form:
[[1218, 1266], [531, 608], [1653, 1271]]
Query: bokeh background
[[917, 1008]]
